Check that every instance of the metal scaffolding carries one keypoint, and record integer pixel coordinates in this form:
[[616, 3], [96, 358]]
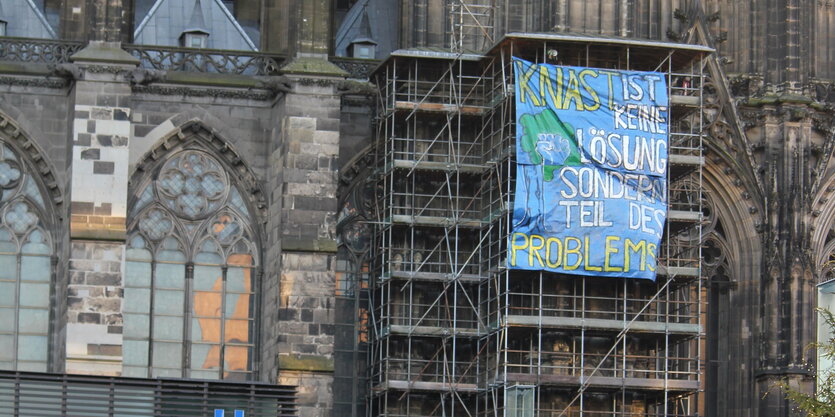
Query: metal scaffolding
[[453, 331], [425, 286], [471, 24]]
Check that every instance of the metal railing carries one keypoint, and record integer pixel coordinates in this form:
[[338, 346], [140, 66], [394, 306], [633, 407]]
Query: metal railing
[[431, 315], [40, 394], [435, 150], [660, 310], [559, 412], [420, 370], [44, 51], [437, 260], [626, 366], [434, 205], [359, 69], [168, 58], [453, 92]]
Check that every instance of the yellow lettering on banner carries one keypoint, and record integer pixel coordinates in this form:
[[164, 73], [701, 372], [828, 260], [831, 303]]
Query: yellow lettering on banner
[[548, 243], [514, 247], [534, 250], [524, 87], [557, 253], [587, 87], [545, 85], [651, 251], [572, 93], [633, 247], [586, 260], [609, 252], [575, 251], [609, 76]]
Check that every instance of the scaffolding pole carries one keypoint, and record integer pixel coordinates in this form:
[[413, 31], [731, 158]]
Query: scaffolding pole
[[455, 332]]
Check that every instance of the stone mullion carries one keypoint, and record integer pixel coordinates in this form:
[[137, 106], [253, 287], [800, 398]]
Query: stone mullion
[[55, 312], [258, 319], [151, 315], [188, 296], [17, 304], [222, 341]]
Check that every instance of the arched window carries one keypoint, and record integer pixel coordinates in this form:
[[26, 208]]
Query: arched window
[[189, 307], [25, 266]]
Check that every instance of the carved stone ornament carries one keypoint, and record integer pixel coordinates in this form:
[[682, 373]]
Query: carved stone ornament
[[21, 201], [193, 185], [11, 132], [195, 134], [186, 91], [156, 224], [357, 236], [358, 207]]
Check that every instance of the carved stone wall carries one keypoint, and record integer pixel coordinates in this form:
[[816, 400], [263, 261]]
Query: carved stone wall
[[308, 137], [769, 173], [766, 159], [109, 125]]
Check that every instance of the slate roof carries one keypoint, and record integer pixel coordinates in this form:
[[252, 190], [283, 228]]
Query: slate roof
[[25, 20], [168, 19], [375, 20]]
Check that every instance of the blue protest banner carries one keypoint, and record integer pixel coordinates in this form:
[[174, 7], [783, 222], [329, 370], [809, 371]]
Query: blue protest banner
[[591, 154]]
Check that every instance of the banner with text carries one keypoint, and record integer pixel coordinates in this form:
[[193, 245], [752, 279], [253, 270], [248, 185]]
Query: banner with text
[[591, 154]]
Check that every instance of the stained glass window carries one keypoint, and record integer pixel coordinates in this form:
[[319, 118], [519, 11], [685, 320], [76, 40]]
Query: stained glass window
[[25, 268], [189, 280]]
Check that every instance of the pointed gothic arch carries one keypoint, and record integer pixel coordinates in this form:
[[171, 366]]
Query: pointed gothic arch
[[823, 219], [195, 134], [194, 259], [29, 275]]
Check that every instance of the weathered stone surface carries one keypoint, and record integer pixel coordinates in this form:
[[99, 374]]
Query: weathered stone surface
[[91, 154], [103, 167], [95, 306], [314, 394], [309, 363], [93, 318]]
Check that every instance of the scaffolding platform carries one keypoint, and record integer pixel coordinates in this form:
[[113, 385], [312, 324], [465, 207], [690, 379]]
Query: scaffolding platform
[[432, 331], [685, 329], [440, 107], [425, 386], [608, 383], [454, 332]]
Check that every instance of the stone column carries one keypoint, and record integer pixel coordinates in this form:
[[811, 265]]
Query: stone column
[[98, 191], [297, 27], [99, 20], [787, 289], [304, 219]]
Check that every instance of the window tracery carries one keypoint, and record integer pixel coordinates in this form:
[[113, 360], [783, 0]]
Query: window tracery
[[26, 249], [190, 279], [354, 237]]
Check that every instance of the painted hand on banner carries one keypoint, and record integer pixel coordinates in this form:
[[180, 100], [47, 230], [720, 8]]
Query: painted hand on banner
[[553, 149], [548, 142]]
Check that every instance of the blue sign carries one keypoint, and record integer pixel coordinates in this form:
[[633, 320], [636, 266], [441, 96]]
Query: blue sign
[[591, 154], [221, 413]]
